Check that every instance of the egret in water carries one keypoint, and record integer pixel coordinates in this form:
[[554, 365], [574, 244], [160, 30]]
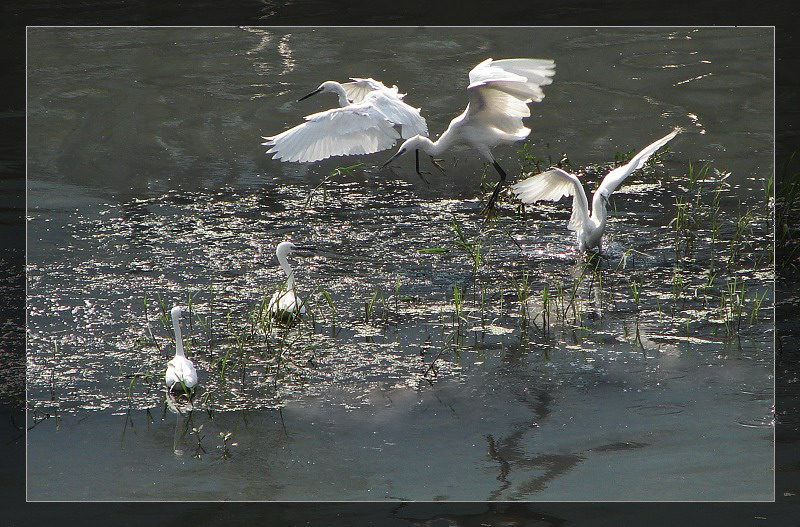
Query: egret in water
[[555, 183], [363, 124], [285, 302], [181, 374], [499, 93]]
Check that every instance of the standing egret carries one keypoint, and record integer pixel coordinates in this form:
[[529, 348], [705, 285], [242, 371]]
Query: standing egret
[[181, 374], [364, 124], [499, 93], [555, 183], [285, 302]]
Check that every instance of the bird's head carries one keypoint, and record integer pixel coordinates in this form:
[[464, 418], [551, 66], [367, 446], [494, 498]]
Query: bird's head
[[604, 196], [412, 143], [179, 312], [327, 86], [284, 249]]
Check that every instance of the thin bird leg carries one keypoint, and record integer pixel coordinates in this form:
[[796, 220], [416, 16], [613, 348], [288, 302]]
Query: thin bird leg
[[490, 205]]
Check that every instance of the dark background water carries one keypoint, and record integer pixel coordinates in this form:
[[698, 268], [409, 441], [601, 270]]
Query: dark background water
[[575, 12]]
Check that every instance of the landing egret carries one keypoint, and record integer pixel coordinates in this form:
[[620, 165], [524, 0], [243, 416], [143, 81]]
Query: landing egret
[[180, 373], [285, 302], [364, 124], [555, 183], [499, 93]]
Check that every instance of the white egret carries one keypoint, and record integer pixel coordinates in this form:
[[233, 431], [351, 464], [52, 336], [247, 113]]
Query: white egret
[[555, 183], [181, 374], [499, 93], [364, 124], [285, 302]]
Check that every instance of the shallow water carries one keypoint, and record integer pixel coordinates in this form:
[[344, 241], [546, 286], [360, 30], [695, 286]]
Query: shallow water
[[147, 181]]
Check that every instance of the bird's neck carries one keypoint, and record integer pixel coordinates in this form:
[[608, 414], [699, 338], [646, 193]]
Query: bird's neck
[[599, 213], [339, 91], [288, 270], [176, 325], [435, 148]]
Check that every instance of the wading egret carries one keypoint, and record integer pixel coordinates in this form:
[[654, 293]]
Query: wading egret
[[285, 302], [364, 124], [499, 93], [180, 373], [555, 183]]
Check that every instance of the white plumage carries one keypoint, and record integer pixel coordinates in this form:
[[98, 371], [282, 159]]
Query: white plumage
[[499, 93], [364, 124], [555, 183], [180, 370], [285, 301]]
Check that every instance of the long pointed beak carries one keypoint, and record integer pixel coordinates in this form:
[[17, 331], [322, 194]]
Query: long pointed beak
[[398, 154], [310, 94]]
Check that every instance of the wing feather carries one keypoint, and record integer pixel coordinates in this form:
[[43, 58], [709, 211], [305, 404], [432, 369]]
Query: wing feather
[[552, 185], [614, 178], [354, 129], [358, 89], [400, 113], [500, 91]]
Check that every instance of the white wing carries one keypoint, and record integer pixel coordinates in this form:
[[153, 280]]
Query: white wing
[[355, 129], [358, 89], [614, 178], [552, 185], [499, 92], [399, 113]]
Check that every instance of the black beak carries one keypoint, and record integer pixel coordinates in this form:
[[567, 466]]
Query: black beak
[[398, 154], [310, 94]]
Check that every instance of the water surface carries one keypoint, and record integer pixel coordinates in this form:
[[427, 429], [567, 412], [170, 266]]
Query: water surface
[[147, 183]]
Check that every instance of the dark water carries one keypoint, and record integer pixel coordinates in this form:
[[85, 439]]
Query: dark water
[[147, 180]]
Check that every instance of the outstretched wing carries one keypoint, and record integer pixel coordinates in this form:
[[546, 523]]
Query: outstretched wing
[[354, 129], [552, 185], [614, 178], [358, 89], [500, 91], [399, 113]]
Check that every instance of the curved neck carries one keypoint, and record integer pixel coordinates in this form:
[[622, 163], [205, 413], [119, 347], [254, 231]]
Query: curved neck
[[599, 213], [284, 263], [338, 89], [435, 148], [176, 325]]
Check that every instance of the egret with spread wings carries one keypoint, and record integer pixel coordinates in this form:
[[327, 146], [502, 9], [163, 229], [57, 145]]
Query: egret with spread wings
[[555, 183], [499, 93], [364, 123]]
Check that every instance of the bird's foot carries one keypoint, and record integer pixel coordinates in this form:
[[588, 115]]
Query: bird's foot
[[489, 212], [435, 162]]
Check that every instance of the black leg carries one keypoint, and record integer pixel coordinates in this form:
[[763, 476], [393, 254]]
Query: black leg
[[419, 172], [490, 204]]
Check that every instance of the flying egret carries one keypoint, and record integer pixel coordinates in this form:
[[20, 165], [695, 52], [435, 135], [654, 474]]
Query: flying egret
[[364, 124], [181, 374], [499, 93], [555, 183], [285, 302]]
